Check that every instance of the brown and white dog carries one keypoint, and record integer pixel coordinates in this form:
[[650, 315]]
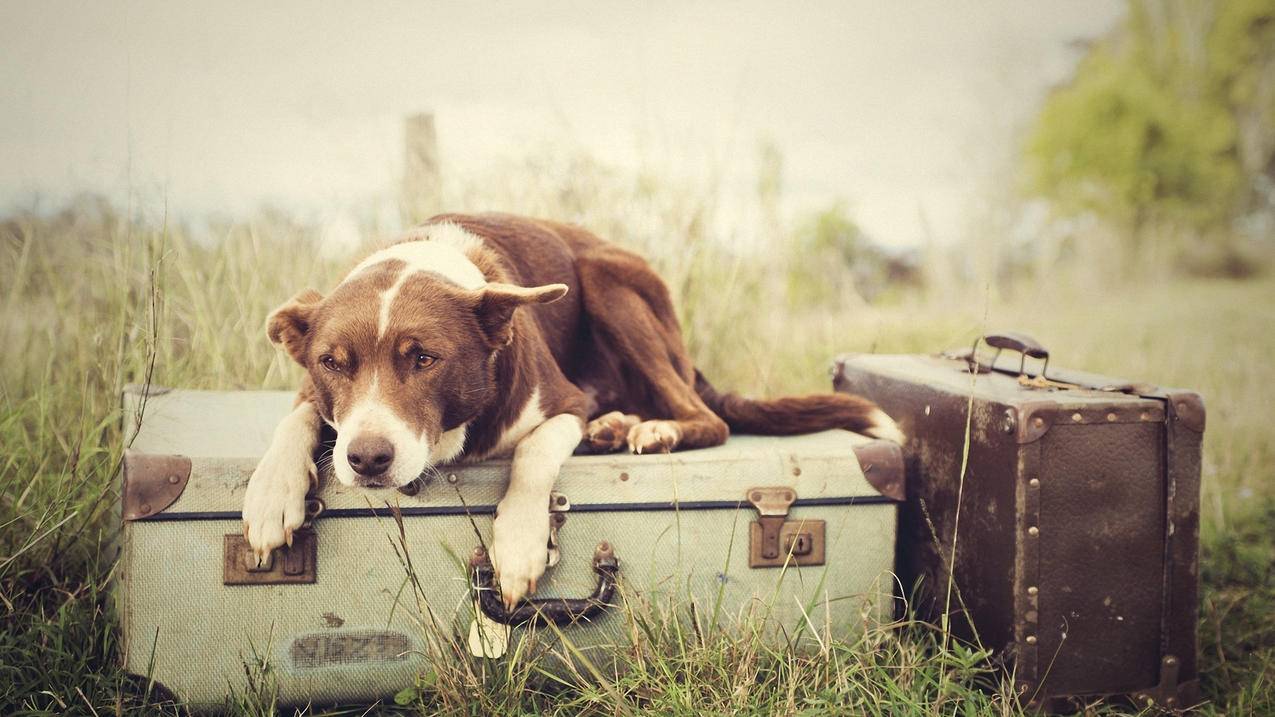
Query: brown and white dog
[[421, 356]]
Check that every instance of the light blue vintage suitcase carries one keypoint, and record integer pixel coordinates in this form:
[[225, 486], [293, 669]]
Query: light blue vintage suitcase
[[777, 531]]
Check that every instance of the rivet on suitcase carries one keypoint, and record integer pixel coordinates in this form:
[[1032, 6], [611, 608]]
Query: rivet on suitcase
[[1077, 543], [333, 614]]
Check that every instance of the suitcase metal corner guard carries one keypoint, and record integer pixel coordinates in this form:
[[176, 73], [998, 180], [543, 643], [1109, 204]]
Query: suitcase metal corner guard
[[1078, 554], [331, 614]]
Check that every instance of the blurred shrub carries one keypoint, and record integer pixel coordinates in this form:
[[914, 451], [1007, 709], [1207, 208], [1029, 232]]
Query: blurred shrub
[[833, 260], [1229, 260], [1167, 132]]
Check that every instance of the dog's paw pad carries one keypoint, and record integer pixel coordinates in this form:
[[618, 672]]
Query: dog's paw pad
[[607, 433], [654, 437]]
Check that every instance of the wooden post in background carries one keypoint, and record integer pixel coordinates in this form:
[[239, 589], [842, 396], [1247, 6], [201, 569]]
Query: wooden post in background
[[422, 183]]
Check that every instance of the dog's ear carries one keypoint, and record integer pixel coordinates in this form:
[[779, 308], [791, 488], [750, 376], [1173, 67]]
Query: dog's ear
[[289, 325], [497, 303]]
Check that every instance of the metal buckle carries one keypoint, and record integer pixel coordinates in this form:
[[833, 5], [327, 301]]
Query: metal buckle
[[774, 541]]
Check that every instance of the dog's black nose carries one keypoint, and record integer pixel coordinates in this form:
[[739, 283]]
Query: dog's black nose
[[370, 455]]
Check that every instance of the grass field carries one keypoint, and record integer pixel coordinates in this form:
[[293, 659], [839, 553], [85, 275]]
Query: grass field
[[91, 302]]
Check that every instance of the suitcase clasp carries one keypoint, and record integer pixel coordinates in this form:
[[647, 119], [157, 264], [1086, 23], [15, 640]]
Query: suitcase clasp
[[285, 565], [558, 507], [773, 540]]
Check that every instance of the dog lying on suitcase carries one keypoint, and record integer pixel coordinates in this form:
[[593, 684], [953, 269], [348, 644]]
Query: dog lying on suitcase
[[422, 356]]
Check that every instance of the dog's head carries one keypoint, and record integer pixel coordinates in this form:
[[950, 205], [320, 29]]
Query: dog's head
[[401, 359]]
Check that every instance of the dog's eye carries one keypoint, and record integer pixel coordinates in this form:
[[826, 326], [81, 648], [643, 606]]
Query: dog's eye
[[424, 360], [328, 362]]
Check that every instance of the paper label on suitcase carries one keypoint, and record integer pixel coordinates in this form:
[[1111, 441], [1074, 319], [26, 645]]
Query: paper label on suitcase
[[348, 647]]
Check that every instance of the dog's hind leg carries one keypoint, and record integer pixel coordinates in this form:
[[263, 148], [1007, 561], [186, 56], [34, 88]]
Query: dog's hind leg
[[609, 432], [631, 313]]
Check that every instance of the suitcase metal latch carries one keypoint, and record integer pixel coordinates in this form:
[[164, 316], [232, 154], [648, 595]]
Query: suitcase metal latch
[[295, 564], [773, 540], [285, 566], [558, 507]]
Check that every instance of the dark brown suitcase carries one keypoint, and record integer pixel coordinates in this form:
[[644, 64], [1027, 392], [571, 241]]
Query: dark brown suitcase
[[1076, 524]]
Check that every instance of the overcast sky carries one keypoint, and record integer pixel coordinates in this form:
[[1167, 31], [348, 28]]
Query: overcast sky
[[893, 107]]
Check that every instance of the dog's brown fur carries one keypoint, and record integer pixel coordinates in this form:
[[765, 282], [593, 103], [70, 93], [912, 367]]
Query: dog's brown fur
[[418, 364], [616, 341]]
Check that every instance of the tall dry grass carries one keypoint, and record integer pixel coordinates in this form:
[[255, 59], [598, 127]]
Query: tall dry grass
[[94, 300]]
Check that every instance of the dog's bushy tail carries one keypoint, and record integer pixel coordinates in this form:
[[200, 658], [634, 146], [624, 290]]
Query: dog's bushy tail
[[797, 414]]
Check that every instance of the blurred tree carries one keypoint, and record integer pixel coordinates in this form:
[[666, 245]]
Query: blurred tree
[[834, 235], [825, 247], [1242, 53], [1166, 130], [834, 261]]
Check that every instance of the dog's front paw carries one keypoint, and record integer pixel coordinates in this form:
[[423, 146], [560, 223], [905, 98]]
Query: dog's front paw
[[274, 504], [519, 551]]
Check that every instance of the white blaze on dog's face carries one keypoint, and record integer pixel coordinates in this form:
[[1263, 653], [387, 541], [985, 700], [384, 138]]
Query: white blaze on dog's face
[[401, 356]]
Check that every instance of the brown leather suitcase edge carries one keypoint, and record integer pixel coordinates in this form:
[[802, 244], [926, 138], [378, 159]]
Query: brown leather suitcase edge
[[1004, 611]]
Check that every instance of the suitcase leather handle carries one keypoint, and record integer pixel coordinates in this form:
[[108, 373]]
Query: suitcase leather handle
[[1021, 343], [559, 611], [1010, 341]]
